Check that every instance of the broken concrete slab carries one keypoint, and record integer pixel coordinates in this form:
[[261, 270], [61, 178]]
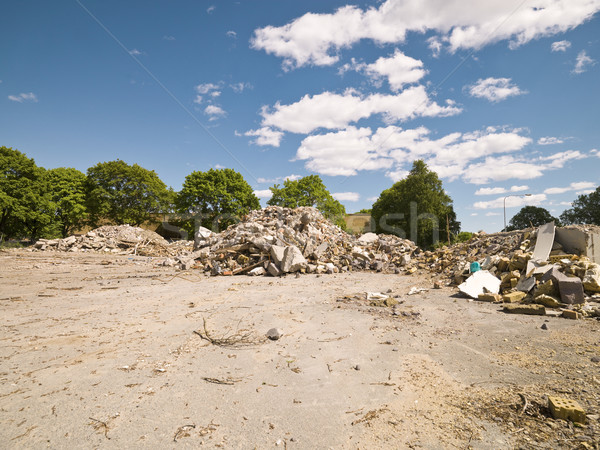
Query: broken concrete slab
[[591, 279], [273, 270], [545, 240], [525, 284], [277, 252], [368, 238], [533, 310], [292, 260], [581, 240], [570, 288], [481, 282]]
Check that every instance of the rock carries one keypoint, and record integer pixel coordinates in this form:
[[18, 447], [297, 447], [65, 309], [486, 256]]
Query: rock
[[544, 326], [168, 262], [591, 279], [438, 284], [595, 359], [277, 252], [273, 270], [274, 334], [292, 260], [546, 300], [536, 310], [257, 271], [570, 314], [545, 288], [368, 238]]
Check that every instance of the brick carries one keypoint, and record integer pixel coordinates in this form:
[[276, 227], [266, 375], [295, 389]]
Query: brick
[[532, 310], [546, 288], [566, 409], [570, 314], [513, 297], [546, 300], [489, 297]]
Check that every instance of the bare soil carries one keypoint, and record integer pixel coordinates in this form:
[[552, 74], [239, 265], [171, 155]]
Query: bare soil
[[118, 352]]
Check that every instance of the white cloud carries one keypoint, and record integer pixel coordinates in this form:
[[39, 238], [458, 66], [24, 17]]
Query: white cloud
[[398, 69], [494, 89], [205, 88], [518, 188], [214, 112], [582, 63], [585, 192], [491, 214], [198, 99], [558, 160], [240, 87], [490, 191], [316, 39], [549, 140], [265, 136], [511, 202], [579, 185], [231, 34], [372, 199], [336, 111], [263, 193], [210, 9], [560, 46], [135, 52], [24, 97], [397, 175], [220, 166], [168, 37], [292, 177], [346, 196]]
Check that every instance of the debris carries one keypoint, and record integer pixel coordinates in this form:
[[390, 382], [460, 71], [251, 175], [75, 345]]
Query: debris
[[546, 300], [480, 282], [183, 431], [534, 310], [274, 334], [513, 297], [495, 298], [416, 290], [570, 314], [544, 326], [238, 339], [566, 409]]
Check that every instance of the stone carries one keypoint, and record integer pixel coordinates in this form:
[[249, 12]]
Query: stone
[[292, 260], [494, 298], [570, 314], [320, 250], [566, 409], [591, 279], [257, 271], [544, 326], [546, 300], [274, 334], [277, 252], [534, 310], [368, 238], [273, 270], [570, 288], [513, 297], [545, 288]]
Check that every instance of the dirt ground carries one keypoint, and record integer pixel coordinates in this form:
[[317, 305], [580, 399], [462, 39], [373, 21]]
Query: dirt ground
[[117, 352]]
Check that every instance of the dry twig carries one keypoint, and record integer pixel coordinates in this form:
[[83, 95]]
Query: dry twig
[[182, 429], [240, 338], [100, 425]]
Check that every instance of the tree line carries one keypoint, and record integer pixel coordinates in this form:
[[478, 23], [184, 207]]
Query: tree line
[[37, 202]]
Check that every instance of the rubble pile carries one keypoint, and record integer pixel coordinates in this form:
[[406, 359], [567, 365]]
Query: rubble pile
[[119, 239], [536, 275], [278, 240], [492, 250]]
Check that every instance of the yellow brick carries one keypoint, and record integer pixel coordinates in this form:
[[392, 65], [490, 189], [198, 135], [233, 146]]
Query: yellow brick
[[513, 297], [514, 282], [489, 297], [570, 314], [566, 409]]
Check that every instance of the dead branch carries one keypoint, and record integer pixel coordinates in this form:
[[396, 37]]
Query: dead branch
[[100, 425], [233, 340], [227, 381], [182, 429]]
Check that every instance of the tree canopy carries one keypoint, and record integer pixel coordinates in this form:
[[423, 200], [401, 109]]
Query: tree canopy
[[416, 208], [585, 210], [123, 193], [308, 191], [218, 198], [530, 216], [67, 192], [24, 207]]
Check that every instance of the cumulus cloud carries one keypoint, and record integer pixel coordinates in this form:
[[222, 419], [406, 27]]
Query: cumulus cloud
[[336, 111], [240, 87], [346, 196], [265, 136], [398, 69], [511, 202], [494, 89], [24, 97], [263, 193], [549, 140], [135, 52], [205, 88], [500, 190], [576, 186], [560, 46], [582, 63], [214, 112], [292, 177], [316, 39]]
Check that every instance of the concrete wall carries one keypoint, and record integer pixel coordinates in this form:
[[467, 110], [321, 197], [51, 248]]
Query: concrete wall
[[580, 240]]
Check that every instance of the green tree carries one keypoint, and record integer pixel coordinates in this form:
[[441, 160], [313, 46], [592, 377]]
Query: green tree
[[530, 216], [67, 187], [417, 208], [123, 193], [586, 209], [25, 209], [217, 198], [365, 211], [308, 191]]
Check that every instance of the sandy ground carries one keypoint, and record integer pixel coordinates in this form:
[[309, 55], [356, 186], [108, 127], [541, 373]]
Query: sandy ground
[[101, 351]]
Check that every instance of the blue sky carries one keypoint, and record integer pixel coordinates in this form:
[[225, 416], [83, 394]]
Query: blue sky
[[500, 98]]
